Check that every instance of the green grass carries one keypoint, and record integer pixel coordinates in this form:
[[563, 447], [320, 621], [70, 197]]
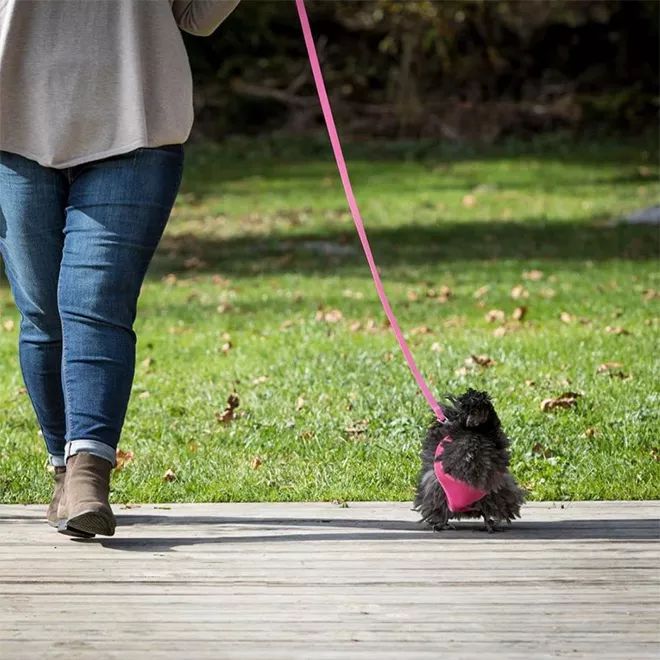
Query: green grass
[[337, 414]]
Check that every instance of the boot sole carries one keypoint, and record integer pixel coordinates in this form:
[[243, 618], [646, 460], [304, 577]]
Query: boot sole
[[70, 532], [88, 523]]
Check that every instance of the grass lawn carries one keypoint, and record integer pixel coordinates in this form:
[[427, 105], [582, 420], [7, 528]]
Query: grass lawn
[[259, 288]]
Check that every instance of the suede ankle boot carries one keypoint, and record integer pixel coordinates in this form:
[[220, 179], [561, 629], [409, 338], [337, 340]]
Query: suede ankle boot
[[58, 476], [84, 506]]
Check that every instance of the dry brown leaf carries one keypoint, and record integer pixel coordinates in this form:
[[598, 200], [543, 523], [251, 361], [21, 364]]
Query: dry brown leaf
[[218, 280], [519, 291], [147, 363], [357, 428], [608, 366], [421, 330], [226, 347], [259, 380], [565, 317], [546, 292], [144, 395], [330, 316], [123, 458], [169, 475], [481, 291], [256, 462], [8, 325], [192, 263], [227, 415], [469, 201], [540, 450], [519, 313], [616, 330], [170, 279], [591, 432], [436, 347], [300, 403], [286, 324], [650, 294], [501, 331], [495, 316], [533, 275], [565, 400], [461, 371], [412, 295], [530, 383], [480, 360]]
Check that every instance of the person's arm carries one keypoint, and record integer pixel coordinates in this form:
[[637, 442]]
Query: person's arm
[[202, 17]]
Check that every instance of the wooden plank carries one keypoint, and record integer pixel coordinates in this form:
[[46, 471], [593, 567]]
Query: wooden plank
[[314, 580]]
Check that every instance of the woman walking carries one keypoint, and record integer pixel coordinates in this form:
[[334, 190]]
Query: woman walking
[[95, 103]]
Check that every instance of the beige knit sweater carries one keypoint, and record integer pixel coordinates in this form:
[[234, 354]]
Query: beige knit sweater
[[82, 80]]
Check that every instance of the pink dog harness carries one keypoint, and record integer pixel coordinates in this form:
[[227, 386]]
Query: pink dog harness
[[460, 496]]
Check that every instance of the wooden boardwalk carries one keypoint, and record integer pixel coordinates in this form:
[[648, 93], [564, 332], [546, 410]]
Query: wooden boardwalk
[[318, 581]]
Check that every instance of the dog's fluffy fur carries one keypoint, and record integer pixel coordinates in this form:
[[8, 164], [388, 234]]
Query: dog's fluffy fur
[[478, 454]]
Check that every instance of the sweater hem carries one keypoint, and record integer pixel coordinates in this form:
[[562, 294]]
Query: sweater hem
[[88, 158]]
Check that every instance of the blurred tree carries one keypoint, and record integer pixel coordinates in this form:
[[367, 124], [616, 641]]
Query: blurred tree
[[460, 69]]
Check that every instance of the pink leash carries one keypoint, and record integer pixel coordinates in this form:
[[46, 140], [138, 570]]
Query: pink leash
[[355, 211]]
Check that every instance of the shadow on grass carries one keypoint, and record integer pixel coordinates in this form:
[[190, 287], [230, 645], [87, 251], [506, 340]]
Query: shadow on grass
[[406, 245]]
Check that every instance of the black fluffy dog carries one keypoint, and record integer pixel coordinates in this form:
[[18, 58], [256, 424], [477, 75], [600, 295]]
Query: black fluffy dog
[[477, 454]]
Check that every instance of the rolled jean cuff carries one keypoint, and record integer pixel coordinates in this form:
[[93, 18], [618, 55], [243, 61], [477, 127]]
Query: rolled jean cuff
[[95, 447], [57, 460]]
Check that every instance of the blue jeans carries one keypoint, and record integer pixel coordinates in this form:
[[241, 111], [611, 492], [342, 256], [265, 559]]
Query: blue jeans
[[76, 244]]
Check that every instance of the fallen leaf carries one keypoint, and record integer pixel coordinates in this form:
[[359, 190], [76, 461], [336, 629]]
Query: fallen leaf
[[412, 295], [436, 347], [591, 432], [519, 291], [226, 347], [259, 380], [421, 330], [147, 362], [565, 400], [223, 308], [193, 447], [540, 450], [547, 293], [608, 366], [357, 428], [256, 462], [530, 383], [193, 263], [469, 201], [286, 324], [501, 331], [461, 371], [650, 294], [218, 280], [533, 275], [144, 395], [170, 279], [655, 453], [565, 317], [481, 291], [616, 330], [480, 360], [8, 325], [495, 315], [331, 316], [300, 403], [355, 326], [123, 458], [169, 475], [519, 313], [227, 415]]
